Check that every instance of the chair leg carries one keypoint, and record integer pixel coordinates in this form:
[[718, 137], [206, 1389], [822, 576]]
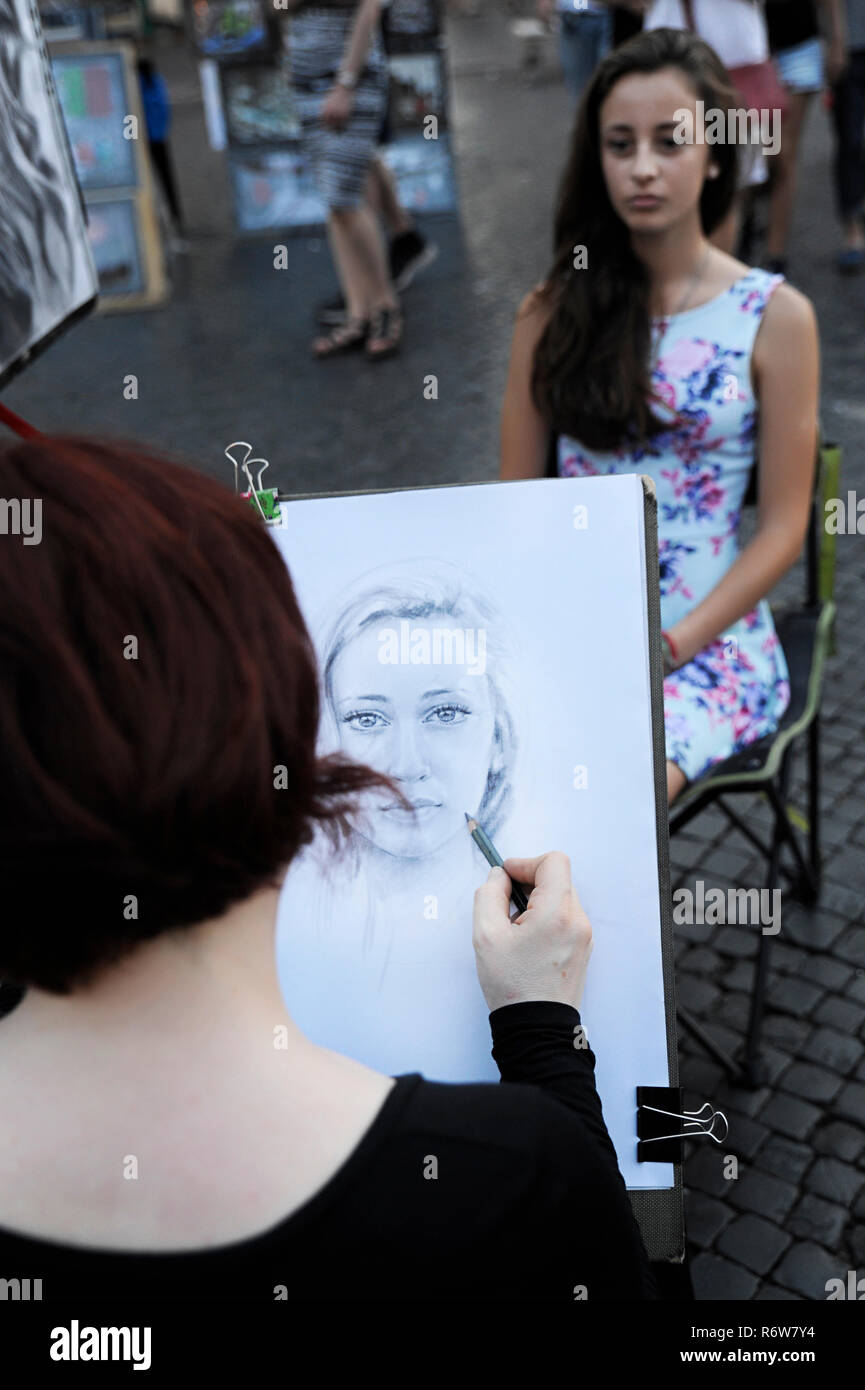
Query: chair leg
[[696, 1029], [805, 883], [814, 798], [753, 1071], [752, 1068]]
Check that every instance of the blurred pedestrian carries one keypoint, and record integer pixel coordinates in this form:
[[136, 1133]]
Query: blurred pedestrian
[[587, 30], [794, 41], [409, 251], [848, 111], [736, 30], [340, 75], [157, 118], [585, 36]]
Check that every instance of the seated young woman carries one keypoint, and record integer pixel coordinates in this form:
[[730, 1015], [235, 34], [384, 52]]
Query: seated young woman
[[648, 350]]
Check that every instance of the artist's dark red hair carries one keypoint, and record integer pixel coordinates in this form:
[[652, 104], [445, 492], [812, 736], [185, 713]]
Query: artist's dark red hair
[[143, 782]]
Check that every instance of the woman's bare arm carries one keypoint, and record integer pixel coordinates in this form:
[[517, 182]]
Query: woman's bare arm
[[524, 432], [786, 368], [339, 101], [357, 48]]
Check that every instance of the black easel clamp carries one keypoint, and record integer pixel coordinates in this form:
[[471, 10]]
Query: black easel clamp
[[663, 1124]]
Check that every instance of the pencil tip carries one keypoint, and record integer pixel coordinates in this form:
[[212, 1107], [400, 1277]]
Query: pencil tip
[[466, 814]]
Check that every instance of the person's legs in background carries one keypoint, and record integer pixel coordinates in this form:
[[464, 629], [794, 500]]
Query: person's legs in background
[[358, 257], [383, 198], [409, 251], [585, 37], [161, 156], [848, 111], [361, 265], [783, 170], [800, 69], [735, 234]]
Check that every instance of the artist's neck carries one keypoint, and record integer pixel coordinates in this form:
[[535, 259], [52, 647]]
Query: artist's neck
[[211, 986]]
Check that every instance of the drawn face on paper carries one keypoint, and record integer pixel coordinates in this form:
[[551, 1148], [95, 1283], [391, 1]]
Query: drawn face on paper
[[429, 726]]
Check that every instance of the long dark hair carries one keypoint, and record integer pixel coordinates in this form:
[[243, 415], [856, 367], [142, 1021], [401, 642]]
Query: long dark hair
[[591, 376]]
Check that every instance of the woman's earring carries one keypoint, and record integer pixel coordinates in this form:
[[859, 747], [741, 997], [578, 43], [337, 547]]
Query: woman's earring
[[714, 171]]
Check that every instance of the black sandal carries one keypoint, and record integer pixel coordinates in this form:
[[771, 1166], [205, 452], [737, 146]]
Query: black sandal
[[384, 323], [344, 337]]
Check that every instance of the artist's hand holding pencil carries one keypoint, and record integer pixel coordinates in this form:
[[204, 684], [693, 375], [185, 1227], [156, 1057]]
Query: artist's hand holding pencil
[[543, 953]]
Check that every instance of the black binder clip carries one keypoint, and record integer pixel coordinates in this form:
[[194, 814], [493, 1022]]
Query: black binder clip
[[662, 1124]]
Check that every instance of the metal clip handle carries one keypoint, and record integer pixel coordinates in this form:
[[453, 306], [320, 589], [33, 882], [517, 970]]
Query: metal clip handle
[[697, 1124]]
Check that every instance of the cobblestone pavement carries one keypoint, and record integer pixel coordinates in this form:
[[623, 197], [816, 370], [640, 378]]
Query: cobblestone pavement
[[226, 358]]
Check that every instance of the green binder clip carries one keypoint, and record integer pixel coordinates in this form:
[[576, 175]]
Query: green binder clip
[[265, 501]]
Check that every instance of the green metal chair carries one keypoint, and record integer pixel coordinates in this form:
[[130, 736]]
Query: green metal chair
[[806, 633]]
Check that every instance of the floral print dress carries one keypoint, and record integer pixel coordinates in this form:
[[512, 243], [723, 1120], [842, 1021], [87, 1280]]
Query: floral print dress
[[737, 689]]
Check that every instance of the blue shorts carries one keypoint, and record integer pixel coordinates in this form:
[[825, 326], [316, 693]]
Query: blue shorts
[[801, 67]]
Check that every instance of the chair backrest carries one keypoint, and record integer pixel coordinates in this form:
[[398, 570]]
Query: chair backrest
[[828, 485], [820, 547]]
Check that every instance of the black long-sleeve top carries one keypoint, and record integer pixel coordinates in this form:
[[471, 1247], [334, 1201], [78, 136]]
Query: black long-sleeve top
[[456, 1191]]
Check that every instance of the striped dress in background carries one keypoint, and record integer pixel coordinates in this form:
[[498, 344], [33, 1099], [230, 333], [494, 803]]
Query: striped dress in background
[[340, 158]]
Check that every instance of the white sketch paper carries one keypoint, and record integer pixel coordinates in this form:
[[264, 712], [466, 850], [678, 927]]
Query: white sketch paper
[[486, 647]]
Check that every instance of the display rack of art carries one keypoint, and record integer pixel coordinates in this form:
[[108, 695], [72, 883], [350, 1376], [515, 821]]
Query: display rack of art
[[97, 86]]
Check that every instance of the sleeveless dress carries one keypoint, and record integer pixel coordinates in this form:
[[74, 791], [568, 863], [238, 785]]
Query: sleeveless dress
[[736, 690], [340, 159]]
